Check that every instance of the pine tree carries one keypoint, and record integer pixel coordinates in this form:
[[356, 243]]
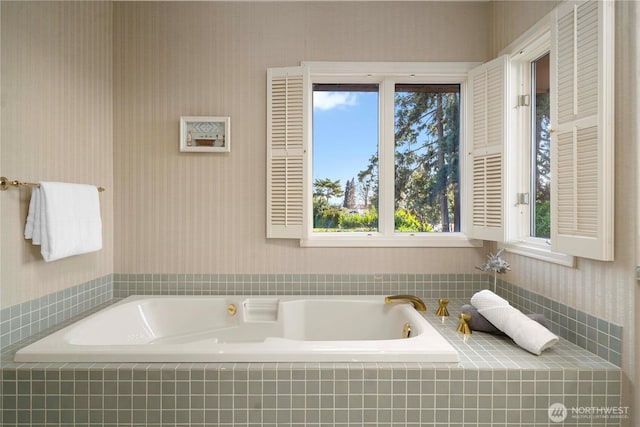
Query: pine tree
[[426, 156], [327, 189], [350, 194]]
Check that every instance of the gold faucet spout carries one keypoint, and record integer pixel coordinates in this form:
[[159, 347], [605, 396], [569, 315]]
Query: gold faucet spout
[[417, 303]]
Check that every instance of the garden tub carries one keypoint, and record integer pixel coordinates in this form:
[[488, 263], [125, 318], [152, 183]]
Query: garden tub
[[246, 329]]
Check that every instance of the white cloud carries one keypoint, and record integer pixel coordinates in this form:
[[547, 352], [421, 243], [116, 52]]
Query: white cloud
[[329, 100]]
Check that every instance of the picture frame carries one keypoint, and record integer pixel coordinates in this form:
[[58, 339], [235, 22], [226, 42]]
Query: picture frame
[[202, 134]]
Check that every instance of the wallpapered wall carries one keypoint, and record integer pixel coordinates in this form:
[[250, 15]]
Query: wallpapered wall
[[604, 289], [93, 91], [184, 212], [56, 125]]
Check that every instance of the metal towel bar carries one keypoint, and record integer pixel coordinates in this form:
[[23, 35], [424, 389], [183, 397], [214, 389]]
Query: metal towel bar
[[5, 183]]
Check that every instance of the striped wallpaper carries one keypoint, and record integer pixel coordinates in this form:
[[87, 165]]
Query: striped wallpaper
[[56, 85], [93, 92], [602, 289], [203, 213]]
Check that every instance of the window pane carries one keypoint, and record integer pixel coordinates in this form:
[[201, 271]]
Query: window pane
[[345, 157], [540, 143], [427, 184]]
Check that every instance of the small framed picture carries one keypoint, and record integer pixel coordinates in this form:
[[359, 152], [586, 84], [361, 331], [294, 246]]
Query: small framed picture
[[205, 134]]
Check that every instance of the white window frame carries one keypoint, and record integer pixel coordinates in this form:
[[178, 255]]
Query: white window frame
[[527, 48], [386, 75], [580, 38], [584, 124]]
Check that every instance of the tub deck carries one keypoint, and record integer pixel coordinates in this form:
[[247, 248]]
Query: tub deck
[[481, 351], [495, 384]]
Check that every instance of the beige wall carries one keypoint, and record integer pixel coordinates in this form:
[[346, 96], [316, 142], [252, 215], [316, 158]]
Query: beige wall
[[509, 19], [605, 289], [56, 126], [92, 92], [202, 213]]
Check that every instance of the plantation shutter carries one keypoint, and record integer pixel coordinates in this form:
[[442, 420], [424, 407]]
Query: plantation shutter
[[582, 58], [285, 151], [487, 89]]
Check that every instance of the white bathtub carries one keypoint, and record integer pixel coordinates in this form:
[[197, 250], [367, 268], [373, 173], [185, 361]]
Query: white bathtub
[[263, 329]]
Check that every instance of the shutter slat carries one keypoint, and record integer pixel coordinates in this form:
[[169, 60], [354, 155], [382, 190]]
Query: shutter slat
[[587, 68], [480, 110], [565, 58], [285, 152], [488, 84], [582, 144]]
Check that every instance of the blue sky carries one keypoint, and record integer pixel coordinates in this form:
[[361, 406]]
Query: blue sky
[[345, 133]]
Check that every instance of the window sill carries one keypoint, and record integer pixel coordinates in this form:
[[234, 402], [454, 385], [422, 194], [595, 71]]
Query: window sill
[[539, 252], [375, 240]]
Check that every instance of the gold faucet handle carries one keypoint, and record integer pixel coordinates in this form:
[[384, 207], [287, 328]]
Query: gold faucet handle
[[442, 310], [463, 325]]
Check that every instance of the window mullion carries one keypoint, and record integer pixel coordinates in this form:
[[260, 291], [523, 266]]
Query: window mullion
[[387, 165]]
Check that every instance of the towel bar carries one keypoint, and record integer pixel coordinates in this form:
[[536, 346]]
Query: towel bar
[[6, 183]]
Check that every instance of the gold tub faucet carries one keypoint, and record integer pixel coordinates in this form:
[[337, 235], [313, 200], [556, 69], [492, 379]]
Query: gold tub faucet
[[417, 303]]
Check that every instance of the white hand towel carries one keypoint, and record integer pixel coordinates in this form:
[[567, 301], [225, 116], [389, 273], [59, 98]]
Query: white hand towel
[[33, 218], [66, 220], [525, 332]]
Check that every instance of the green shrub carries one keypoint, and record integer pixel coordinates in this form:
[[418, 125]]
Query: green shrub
[[405, 221], [353, 221]]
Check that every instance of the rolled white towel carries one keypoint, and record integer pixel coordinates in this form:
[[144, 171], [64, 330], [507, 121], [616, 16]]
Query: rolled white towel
[[525, 332]]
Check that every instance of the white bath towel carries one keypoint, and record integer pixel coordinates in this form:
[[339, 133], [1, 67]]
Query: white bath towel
[[525, 332], [64, 219], [33, 219]]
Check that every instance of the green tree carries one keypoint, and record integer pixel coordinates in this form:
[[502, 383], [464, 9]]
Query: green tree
[[426, 156], [327, 189], [543, 167], [368, 179], [349, 194], [543, 219], [325, 216]]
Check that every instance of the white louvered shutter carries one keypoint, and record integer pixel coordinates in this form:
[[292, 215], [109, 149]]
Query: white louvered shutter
[[487, 136], [582, 58], [286, 100]]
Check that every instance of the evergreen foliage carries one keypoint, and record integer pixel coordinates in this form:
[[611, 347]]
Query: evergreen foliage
[[350, 195], [427, 194]]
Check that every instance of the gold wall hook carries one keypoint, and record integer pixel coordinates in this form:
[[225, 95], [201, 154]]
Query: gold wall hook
[[442, 310]]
